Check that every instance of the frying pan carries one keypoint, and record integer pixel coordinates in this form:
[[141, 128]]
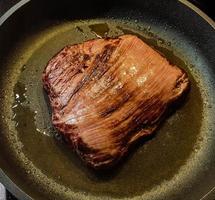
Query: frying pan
[[177, 163]]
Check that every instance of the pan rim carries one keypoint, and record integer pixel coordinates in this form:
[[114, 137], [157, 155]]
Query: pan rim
[[199, 12], [12, 10], [5, 180], [12, 187]]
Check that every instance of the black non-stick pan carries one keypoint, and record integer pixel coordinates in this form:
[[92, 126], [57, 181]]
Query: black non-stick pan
[[177, 163]]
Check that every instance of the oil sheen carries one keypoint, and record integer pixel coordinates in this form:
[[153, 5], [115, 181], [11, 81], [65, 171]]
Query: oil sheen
[[148, 165]]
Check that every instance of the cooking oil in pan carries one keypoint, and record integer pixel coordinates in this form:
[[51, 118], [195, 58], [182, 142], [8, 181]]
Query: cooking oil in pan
[[147, 166], [101, 30]]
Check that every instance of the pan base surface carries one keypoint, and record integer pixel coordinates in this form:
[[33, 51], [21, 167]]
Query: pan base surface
[[152, 168]]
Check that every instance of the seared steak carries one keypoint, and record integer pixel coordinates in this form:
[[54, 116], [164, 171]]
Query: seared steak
[[106, 94]]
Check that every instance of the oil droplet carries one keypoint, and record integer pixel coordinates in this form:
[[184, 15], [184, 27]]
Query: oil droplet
[[20, 93], [100, 30], [23, 68], [14, 116], [200, 139], [196, 150], [17, 96], [160, 41], [141, 80], [79, 29]]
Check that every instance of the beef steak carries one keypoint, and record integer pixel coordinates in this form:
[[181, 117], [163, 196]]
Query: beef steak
[[106, 94]]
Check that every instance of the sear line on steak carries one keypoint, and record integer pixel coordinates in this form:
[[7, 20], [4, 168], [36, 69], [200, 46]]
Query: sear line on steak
[[106, 94]]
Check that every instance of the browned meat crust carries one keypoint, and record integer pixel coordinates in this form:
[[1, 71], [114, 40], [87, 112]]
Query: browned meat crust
[[107, 93]]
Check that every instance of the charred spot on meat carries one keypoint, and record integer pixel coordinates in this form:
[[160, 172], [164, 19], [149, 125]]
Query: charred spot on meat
[[108, 93]]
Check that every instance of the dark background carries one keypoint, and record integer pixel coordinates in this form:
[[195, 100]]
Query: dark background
[[204, 5]]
